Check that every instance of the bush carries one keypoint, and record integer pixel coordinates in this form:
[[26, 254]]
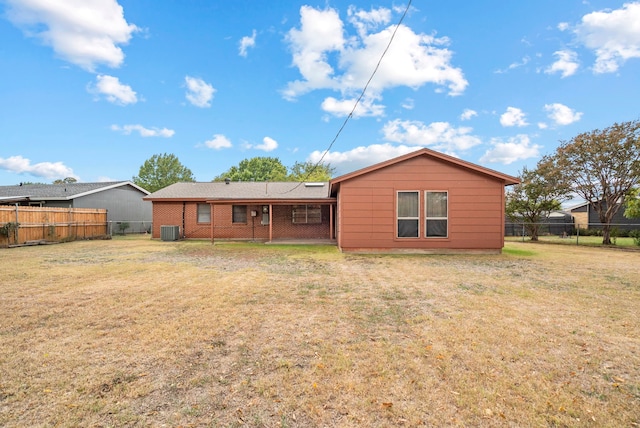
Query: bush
[[635, 234], [590, 232]]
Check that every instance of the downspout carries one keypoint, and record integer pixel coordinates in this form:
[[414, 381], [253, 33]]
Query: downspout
[[184, 208]]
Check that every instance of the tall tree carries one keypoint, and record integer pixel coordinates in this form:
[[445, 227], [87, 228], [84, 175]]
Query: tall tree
[[602, 167], [65, 180], [160, 171], [632, 204], [310, 171], [540, 192], [256, 169]]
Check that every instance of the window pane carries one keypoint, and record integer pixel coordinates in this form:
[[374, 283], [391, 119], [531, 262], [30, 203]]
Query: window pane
[[314, 214], [239, 214], [436, 204], [407, 204], [407, 228], [299, 214], [204, 213], [437, 228]]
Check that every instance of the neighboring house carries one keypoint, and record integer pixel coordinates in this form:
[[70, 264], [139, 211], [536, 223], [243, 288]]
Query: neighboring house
[[587, 218], [556, 223], [424, 201], [122, 200]]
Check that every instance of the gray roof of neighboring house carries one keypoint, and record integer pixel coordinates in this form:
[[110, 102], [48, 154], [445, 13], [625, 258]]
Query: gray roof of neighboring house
[[242, 190], [60, 191]]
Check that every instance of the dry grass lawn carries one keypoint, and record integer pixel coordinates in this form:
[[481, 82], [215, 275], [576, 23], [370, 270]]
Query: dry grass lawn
[[135, 332]]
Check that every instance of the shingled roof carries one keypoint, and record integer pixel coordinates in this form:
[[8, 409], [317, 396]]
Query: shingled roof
[[241, 190], [66, 191]]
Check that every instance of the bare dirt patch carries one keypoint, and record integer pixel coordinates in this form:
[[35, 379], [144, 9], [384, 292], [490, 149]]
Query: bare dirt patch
[[134, 332]]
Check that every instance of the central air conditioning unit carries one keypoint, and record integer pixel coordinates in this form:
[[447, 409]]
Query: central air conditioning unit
[[169, 233]]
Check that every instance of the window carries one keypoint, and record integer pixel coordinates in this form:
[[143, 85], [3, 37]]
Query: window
[[307, 214], [407, 213], [204, 213], [239, 214], [436, 219]]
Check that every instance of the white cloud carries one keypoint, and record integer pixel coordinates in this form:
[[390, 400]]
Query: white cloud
[[144, 132], [525, 60], [408, 104], [542, 125], [218, 142], [561, 114], [361, 157], [48, 170], [247, 42], [268, 145], [437, 135], [566, 64], [563, 26], [199, 93], [321, 32], [365, 21], [114, 91], [468, 114], [515, 149], [513, 117], [614, 36], [83, 32], [341, 108], [328, 58]]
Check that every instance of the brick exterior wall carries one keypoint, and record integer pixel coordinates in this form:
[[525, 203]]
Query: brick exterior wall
[[171, 213]]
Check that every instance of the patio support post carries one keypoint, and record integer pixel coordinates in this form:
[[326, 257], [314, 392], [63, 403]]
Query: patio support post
[[330, 221], [212, 219], [270, 222]]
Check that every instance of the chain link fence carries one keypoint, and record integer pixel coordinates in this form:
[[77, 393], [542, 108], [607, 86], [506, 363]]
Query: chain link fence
[[622, 234]]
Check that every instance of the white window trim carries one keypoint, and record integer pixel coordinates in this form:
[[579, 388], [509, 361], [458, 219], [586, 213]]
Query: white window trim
[[426, 218], [407, 218]]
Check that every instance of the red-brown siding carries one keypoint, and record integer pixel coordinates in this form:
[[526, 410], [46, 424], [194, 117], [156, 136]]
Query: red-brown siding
[[367, 207]]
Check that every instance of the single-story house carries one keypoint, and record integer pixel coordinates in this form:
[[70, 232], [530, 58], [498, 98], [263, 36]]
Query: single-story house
[[123, 200], [424, 201], [586, 217]]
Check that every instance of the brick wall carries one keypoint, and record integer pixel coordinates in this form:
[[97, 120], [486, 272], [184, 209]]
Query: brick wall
[[171, 213]]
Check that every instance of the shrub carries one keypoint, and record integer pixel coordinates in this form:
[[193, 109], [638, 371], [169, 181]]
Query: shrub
[[635, 234]]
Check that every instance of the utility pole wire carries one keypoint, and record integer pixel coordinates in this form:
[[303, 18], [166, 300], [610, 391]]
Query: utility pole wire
[[364, 90]]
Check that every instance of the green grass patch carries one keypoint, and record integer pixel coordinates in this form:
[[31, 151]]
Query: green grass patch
[[513, 251]]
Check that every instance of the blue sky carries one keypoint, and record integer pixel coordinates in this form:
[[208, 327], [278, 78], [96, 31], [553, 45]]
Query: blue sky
[[92, 88]]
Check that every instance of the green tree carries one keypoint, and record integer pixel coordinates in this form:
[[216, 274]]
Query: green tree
[[310, 171], [602, 167], [65, 180], [540, 192], [256, 169], [160, 171], [632, 204]]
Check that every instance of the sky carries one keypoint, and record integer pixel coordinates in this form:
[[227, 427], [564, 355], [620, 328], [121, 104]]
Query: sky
[[91, 89]]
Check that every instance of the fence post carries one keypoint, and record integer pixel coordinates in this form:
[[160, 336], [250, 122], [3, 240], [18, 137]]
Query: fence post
[[577, 236], [522, 232], [17, 231]]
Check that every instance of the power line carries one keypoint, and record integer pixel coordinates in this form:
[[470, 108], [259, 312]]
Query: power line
[[364, 90]]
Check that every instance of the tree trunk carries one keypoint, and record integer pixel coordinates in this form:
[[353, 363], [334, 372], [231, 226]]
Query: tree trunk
[[606, 234]]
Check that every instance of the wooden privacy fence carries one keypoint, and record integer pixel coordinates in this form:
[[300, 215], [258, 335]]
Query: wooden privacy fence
[[22, 224]]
